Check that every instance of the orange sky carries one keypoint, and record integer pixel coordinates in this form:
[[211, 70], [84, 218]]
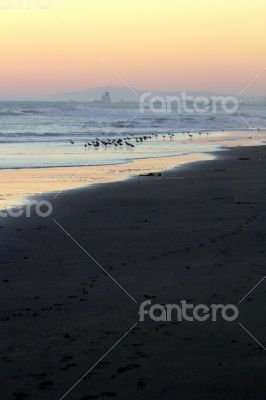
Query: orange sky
[[216, 45]]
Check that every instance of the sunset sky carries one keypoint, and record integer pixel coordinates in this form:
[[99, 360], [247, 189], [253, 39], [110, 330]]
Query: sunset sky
[[216, 45]]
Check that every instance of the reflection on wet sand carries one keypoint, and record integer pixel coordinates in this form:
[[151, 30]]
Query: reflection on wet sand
[[16, 184]]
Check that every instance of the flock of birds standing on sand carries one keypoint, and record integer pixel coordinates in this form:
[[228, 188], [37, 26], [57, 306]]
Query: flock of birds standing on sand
[[132, 141]]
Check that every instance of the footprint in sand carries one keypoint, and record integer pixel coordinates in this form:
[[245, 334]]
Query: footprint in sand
[[45, 385], [20, 396], [128, 367], [109, 394], [141, 384]]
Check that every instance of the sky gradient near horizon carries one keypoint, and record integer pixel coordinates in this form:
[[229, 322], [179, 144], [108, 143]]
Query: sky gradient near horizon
[[215, 45]]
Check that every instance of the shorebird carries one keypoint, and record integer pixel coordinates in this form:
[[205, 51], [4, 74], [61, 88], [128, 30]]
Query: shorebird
[[129, 144], [71, 141]]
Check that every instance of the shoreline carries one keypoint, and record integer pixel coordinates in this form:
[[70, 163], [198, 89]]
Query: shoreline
[[19, 184], [37, 181], [200, 238]]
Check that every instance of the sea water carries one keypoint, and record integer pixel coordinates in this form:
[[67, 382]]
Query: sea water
[[46, 134]]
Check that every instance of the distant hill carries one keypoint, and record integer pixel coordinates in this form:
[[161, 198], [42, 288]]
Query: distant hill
[[119, 94], [93, 94]]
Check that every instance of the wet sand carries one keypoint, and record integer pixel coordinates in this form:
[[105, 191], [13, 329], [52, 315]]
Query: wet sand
[[18, 184], [196, 232]]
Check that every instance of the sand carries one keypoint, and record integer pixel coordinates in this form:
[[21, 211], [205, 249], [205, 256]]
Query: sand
[[18, 184], [196, 233]]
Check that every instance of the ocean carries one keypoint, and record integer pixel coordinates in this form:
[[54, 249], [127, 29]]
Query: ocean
[[41, 134]]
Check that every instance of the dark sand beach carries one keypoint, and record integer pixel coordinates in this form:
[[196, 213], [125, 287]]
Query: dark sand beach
[[195, 233]]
